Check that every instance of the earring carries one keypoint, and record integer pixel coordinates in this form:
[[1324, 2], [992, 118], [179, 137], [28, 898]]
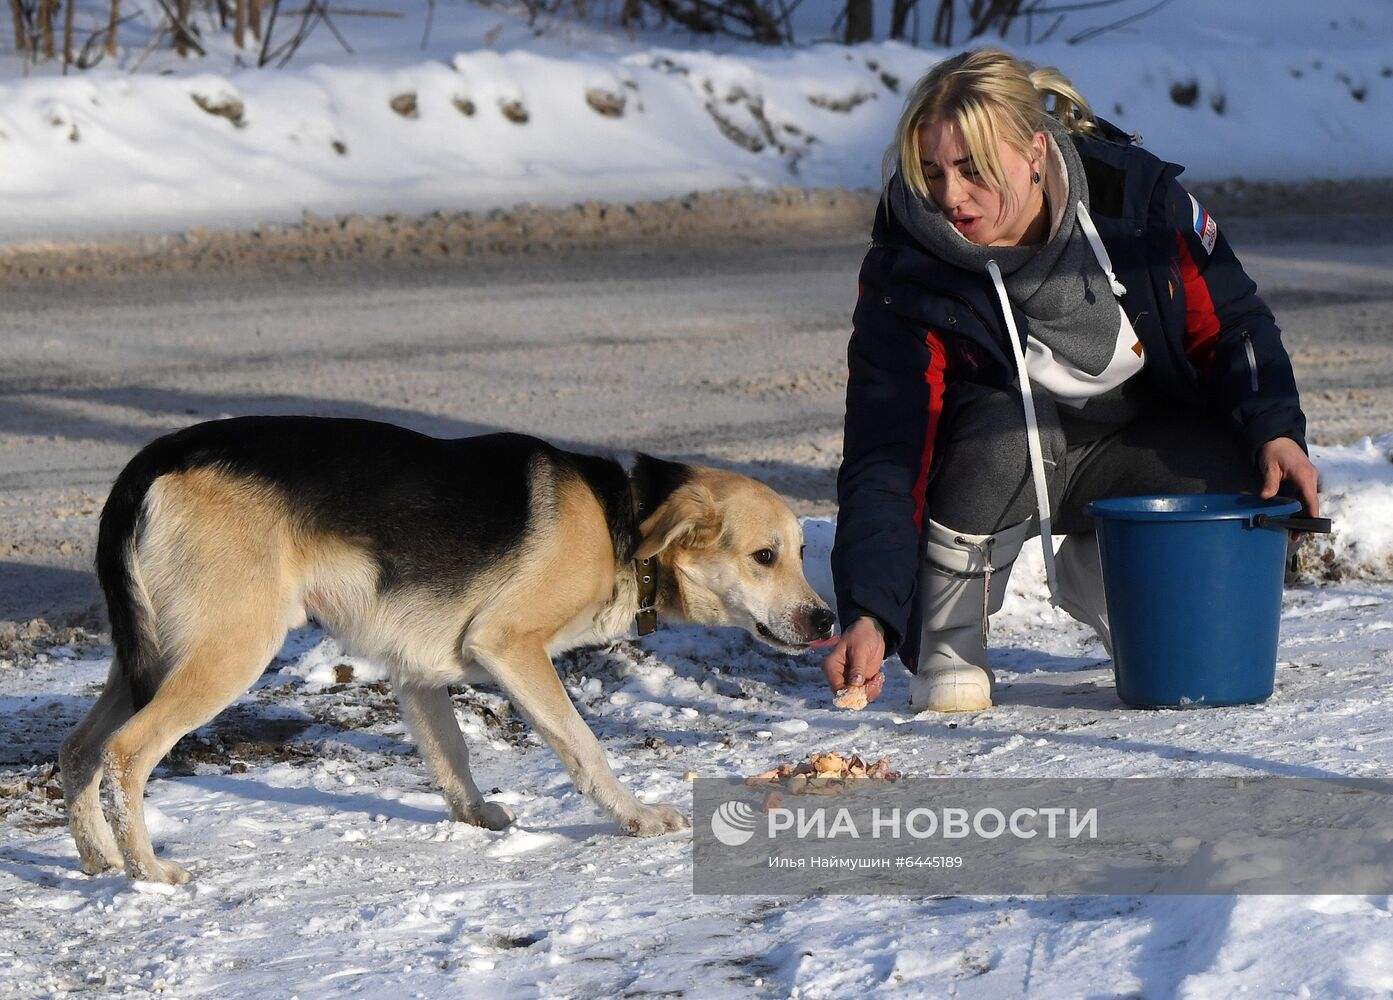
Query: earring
[[1036, 177]]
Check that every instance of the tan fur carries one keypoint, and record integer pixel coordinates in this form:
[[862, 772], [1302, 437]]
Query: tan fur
[[716, 521], [690, 517], [225, 571]]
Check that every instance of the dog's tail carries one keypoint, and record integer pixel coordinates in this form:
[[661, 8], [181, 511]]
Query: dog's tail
[[133, 624]]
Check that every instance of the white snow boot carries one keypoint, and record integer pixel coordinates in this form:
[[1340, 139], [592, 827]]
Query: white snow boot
[[1079, 577], [962, 581]]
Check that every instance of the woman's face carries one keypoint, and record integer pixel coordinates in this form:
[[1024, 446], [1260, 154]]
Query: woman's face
[[963, 195]]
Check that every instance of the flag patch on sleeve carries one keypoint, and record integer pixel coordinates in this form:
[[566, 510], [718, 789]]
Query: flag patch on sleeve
[[1205, 226]]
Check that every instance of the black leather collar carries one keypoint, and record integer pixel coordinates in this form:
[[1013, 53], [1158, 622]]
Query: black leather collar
[[645, 572]]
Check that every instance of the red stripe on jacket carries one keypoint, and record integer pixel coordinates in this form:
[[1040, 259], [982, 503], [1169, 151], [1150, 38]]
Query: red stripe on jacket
[[1201, 321], [935, 376]]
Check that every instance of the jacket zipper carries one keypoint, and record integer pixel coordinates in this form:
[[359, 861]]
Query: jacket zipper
[[1252, 360]]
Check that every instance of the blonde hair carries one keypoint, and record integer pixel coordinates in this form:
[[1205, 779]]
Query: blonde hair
[[992, 97]]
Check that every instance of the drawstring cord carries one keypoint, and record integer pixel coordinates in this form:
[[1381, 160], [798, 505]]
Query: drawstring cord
[[1032, 431], [1032, 427], [1099, 251]]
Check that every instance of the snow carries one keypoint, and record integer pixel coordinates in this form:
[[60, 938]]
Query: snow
[[1357, 481], [1280, 90], [337, 870]]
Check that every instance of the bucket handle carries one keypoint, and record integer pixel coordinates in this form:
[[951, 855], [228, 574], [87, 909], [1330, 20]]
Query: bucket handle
[[1317, 525]]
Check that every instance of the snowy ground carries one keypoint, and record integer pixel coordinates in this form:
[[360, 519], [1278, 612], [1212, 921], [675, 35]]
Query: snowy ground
[[324, 863], [490, 112], [323, 860]]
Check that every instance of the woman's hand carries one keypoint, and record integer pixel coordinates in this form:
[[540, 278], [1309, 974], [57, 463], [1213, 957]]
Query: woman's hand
[[1282, 460], [857, 658]]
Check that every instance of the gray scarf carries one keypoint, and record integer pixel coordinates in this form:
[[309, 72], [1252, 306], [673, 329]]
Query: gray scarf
[[1060, 287]]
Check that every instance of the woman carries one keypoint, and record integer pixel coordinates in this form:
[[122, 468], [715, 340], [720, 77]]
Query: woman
[[1014, 240]]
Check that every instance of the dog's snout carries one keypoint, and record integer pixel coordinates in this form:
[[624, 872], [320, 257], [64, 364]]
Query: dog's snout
[[822, 620]]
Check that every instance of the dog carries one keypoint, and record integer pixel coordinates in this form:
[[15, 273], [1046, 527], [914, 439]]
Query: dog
[[466, 560]]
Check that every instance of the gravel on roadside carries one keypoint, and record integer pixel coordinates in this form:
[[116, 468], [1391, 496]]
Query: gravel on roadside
[[323, 241]]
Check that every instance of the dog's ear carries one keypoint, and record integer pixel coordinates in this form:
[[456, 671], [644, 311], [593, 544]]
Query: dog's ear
[[689, 518]]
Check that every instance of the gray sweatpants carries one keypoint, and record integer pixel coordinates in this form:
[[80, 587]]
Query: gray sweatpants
[[981, 478]]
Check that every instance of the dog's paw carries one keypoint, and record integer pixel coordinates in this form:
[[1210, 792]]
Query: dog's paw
[[651, 821], [496, 816], [97, 858], [489, 815], [99, 865], [159, 871]]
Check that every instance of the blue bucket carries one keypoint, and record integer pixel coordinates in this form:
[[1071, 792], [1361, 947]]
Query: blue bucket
[[1194, 594]]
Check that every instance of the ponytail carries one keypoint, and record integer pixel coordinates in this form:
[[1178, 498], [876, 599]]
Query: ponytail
[[1070, 109]]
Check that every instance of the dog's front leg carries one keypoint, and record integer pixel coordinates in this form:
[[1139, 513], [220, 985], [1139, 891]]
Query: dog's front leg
[[527, 676], [430, 716]]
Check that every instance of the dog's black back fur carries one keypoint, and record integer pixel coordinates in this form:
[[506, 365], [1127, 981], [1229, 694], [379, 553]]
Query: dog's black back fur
[[433, 513]]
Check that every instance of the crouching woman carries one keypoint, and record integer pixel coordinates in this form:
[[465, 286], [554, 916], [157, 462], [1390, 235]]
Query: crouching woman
[[1046, 317]]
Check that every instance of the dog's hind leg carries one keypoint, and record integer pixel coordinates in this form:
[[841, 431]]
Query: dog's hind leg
[[222, 572], [430, 717], [221, 665], [528, 677], [80, 760]]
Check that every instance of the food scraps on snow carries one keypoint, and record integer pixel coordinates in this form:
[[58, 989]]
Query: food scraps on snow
[[823, 774]]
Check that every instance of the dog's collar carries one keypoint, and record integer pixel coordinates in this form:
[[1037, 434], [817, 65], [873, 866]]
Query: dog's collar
[[646, 573]]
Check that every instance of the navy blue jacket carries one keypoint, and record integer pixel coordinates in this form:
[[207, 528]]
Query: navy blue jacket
[[921, 324]]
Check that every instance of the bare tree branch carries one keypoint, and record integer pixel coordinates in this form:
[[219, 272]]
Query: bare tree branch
[[68, 34], [1084, 36], [181, 28], [860, 24], [899, 16], [21, 35], [154, 44], [181, 38], [264, 56], [943, 23], [768, 22], [755, 20], [47, 8], [430, 20]]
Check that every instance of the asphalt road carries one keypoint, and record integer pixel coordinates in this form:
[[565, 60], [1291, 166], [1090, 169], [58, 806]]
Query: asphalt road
[[731, 354]]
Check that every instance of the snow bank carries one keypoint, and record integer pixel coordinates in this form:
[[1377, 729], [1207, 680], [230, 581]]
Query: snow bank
[[1357, 495], [496, 115]]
